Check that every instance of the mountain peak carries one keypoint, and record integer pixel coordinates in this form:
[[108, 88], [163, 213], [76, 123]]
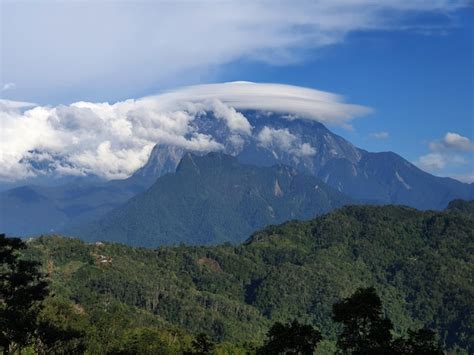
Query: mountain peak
[[163, 159], [187, 163], [196, 162]]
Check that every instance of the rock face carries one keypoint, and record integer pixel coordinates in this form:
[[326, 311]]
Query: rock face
[[308, 146], [213, 199], [163, 159]]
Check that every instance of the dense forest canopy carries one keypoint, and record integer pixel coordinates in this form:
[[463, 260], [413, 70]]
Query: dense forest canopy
[[418, 262]]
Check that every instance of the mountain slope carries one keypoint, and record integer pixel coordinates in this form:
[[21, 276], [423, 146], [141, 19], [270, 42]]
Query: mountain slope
[[33, 210], [388, 178], [419, 262], [211, 199], [462, 206], [311, 148], [29, 203], [275, 139]]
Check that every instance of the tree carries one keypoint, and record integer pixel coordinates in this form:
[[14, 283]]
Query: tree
[[61, 329], [294, 338], [420, 342], [202, 345], [365, 330], [22, 289]]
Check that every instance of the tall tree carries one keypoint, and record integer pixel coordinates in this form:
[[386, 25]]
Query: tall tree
[[22, 288], [366, 330], [291, 339]]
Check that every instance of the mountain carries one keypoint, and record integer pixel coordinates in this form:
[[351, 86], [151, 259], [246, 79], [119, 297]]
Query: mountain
[[34, 209], [211, 199], [163, 159], [462, 206], [275, 139], [419, 262], [308, 146]]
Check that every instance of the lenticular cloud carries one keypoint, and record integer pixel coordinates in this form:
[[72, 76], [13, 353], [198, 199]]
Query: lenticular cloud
[[303, 102], [114, 140]]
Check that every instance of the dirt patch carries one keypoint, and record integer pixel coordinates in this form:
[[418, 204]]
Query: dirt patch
[[78, 309]]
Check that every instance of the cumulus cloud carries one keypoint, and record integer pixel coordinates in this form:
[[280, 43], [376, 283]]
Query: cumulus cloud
[[236, 121], [119, 48], [453, 150], [108, 140], [432, 161], [380, 135], [114, 140], [437, 162], [454, 142], [283, 139]]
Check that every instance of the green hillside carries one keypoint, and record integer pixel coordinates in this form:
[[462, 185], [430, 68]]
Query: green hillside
[[212, 199], [421, 264]]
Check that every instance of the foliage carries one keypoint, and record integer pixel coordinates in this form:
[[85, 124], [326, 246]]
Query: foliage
[[291, 339], [366, 330], [202, 345], [462, 206], [22, 288], [61, 328], [420, 263], [151, 341], [420, 342], [213, 199]]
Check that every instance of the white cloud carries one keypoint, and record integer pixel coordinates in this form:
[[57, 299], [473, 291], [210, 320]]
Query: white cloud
[[117, 49], [7, 105], [451, 151], [452, 141], [113, 140], [432, 161], [306, 149], [8, 86], [284, 140], [299, 102], [109, 140], [236, 121], [380, 135], [468, 177]]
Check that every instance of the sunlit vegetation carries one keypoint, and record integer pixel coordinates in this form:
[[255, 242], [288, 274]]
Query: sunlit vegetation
[[302, 279]]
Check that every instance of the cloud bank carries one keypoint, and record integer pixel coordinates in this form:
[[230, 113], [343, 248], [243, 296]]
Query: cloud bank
[[114, 140], [110, 49]]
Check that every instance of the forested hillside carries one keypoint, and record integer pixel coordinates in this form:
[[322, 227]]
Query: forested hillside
[[213, 199], [421, 264]]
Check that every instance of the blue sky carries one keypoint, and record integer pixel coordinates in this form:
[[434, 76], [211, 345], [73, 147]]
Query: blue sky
[[420, 85], [411, 62]]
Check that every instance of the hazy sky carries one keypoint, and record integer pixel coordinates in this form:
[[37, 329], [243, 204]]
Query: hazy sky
[[408, 65]]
